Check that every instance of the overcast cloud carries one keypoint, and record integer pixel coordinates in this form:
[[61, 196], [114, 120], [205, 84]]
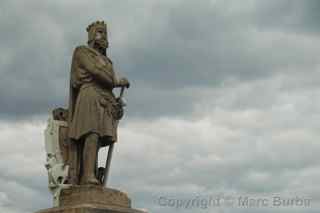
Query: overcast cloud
[[224, 98]]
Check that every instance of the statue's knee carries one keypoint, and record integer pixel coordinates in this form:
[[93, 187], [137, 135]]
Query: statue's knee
[[92, 137]]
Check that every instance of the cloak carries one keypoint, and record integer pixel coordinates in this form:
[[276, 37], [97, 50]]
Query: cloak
[[92, 104]]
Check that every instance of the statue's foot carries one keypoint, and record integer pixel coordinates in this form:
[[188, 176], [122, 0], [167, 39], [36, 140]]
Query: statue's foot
[[90, 181], [93, 181]]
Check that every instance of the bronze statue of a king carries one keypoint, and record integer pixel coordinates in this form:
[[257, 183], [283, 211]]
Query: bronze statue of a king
[[74, 136], [94, 111]]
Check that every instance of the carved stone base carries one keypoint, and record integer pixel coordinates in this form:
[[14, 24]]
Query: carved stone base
[[95, 195], [93, 199], [91, 209]]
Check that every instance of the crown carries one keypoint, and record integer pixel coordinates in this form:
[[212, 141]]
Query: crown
[[97, 24]]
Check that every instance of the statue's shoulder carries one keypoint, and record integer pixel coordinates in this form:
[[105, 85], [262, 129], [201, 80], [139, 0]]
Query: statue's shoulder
[[109, 60], [84, 50]]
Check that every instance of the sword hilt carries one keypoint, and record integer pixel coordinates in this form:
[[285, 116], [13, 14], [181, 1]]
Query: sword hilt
[[121, 92], [120, 98]]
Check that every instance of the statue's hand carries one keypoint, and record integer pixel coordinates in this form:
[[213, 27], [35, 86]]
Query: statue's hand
[[123, 82]]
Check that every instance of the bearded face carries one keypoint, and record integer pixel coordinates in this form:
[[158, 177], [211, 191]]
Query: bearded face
[[101, 38]]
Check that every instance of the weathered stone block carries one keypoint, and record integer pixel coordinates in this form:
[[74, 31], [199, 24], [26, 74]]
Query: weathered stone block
[[92, 199], [91, 209], [94, 195]]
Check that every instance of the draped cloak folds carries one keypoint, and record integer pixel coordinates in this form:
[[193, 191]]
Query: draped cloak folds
[[92, 102]]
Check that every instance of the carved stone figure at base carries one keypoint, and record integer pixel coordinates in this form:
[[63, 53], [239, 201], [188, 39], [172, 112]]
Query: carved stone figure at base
[[57, 160]]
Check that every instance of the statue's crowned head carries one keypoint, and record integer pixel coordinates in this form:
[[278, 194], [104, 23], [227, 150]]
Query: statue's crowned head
[[97, 34]]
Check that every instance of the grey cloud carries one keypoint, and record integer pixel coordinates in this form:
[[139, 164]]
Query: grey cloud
[[206, 45], [290, 16], [224, 97], [251, 151], [183, 45]]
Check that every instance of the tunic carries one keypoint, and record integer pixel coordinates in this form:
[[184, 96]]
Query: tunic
[[92, 105]]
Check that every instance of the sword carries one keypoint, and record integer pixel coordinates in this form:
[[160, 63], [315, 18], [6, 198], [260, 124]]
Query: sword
[[120, 98], [110, 150], [108, 163]]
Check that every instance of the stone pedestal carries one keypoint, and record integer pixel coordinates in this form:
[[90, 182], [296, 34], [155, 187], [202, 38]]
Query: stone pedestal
[[90, 209], [92, 199]]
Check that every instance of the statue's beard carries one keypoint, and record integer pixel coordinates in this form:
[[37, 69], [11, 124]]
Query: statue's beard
[[101, 45]]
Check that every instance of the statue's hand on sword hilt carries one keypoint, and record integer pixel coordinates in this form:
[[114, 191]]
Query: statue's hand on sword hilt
[[121, 103], [123, 82]]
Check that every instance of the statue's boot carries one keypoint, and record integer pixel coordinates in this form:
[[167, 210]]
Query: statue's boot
[[90, 154]]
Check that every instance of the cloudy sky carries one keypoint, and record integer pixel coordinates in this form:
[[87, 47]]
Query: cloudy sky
[[225, 99]]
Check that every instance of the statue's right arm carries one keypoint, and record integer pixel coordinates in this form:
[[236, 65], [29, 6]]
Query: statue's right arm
[[86, 62]]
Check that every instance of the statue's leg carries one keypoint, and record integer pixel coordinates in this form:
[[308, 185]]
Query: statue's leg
[[74, 162], [90, 159]]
